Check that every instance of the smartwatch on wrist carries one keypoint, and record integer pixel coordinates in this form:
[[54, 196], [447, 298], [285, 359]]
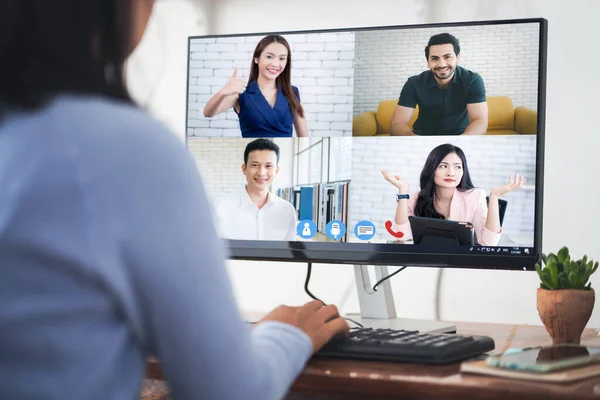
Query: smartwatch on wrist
[[402, 196]]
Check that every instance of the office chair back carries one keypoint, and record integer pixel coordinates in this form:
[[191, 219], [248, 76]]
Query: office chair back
[[501, 207]]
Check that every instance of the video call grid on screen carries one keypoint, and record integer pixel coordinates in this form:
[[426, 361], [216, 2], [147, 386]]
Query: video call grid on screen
[[357, 162], [343, 74]]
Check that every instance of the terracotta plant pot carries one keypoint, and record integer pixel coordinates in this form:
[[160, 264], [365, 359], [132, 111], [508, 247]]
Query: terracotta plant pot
[[565, 312]]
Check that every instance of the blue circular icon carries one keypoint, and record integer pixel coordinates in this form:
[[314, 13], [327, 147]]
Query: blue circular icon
[[306, 229], [364, 230], [335, 229]]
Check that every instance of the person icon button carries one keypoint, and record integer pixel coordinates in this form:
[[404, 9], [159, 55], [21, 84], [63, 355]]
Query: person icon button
[[335, 229], [306, 229]]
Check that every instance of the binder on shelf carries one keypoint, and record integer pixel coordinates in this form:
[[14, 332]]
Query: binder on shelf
[[306, 203], [296, 202], [330, 205]]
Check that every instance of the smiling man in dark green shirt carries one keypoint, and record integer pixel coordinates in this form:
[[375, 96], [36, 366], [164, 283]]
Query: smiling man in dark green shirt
[[451, 99]]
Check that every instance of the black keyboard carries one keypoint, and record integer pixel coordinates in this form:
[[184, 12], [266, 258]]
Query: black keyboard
[[406, 346]]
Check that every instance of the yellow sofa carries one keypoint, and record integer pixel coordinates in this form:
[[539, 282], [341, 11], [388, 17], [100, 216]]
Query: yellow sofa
[[503, 119]]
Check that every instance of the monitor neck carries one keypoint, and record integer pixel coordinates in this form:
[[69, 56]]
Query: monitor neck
[[377, 307]]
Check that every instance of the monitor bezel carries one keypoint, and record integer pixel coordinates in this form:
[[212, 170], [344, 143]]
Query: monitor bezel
[[356, 253], [397, 254]]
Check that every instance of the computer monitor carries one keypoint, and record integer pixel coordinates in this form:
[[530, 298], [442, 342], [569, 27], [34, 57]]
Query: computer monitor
[[424, 120]]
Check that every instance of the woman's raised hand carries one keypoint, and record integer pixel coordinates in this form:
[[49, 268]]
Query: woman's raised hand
[[234, 85], [514, 182], [397, 181]]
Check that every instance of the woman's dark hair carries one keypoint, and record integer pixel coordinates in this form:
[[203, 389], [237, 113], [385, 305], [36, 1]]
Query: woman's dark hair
[[284, 80], [52, 47], [424, 205]]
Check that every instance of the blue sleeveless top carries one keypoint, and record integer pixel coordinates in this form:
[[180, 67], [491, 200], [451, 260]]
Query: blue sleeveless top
[[258, 119]]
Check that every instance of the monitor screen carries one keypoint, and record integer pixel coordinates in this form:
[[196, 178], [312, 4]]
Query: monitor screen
[[318, 146]]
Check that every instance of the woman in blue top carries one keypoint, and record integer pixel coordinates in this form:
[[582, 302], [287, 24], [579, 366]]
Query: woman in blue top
[[268, 106]]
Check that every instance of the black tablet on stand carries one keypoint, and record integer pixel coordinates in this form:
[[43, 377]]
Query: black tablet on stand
[[441, 232]]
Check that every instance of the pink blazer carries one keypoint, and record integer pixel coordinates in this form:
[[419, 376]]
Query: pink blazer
[[469, 206]]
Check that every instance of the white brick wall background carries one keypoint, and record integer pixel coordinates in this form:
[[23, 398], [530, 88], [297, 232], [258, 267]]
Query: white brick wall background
[[506, 57], [321, 69], [219, 163], [490, 160]]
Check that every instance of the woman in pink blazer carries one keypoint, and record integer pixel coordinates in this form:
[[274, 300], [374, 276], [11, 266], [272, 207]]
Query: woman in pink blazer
[[447, 192]]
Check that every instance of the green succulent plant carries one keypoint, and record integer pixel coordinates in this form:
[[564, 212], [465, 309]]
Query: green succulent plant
[[560, 272]]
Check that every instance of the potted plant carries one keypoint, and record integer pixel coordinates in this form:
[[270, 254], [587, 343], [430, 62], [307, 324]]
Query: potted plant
[[565, 299]]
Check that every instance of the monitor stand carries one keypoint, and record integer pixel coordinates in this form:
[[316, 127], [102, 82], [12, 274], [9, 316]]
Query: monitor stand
[[377, 308]]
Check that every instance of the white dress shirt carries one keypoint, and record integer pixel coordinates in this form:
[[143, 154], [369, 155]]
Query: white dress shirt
[[239, 218]]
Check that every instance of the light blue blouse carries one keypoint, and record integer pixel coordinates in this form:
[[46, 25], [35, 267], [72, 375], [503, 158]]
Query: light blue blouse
[[108, 255]]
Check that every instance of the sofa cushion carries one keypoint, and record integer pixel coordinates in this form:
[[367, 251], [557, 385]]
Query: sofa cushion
[[525, 120], [385, 111], [502, 119], [364, 124], [502, 132], [500, 113]]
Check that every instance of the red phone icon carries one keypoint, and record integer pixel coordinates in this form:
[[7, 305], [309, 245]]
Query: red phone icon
[[388, 226]]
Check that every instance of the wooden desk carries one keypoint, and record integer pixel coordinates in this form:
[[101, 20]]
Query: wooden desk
[[347, 379]]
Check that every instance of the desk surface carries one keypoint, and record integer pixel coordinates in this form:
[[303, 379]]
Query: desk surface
[[348, 379]]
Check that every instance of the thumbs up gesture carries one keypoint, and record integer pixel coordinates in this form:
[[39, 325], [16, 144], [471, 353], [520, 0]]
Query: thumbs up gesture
[[234, 85]]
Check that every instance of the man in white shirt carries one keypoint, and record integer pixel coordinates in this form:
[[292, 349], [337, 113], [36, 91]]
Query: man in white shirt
[[254, 213]]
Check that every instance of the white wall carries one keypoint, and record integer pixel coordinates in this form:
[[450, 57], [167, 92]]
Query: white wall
[[571, 214], [506, 57], [321, 69], [157, 70]]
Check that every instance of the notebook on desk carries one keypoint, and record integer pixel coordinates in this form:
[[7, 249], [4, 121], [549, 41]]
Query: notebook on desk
[[562, 376]]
